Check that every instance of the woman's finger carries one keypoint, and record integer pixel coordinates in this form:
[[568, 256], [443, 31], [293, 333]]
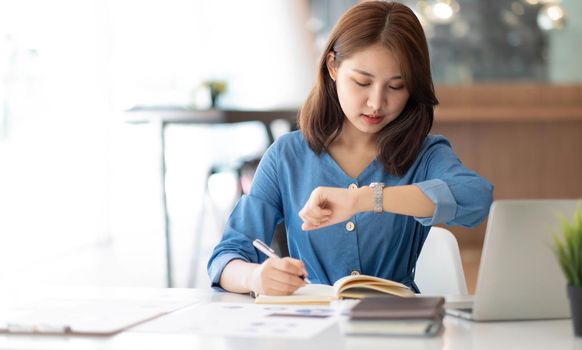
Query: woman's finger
[[308, 216], [286, 280], [277, 288]]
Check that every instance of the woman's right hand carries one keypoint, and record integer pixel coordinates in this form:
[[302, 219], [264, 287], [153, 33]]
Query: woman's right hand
[[278, 276]]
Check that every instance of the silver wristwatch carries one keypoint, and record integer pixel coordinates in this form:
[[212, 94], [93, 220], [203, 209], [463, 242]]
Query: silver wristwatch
[[378, 188]]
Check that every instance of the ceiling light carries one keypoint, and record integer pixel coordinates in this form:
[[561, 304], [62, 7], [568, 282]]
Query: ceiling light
[[441, 11], [551, 17]]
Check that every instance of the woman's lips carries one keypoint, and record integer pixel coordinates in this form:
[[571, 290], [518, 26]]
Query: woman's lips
[[372, 119]]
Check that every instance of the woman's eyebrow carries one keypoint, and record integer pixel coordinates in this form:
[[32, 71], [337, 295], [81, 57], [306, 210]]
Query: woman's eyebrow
[[363, 72]]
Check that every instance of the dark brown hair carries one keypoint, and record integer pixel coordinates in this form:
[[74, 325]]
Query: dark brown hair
[[396, 27]]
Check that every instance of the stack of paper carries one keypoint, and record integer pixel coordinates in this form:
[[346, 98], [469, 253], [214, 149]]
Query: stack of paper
[[98, 316]]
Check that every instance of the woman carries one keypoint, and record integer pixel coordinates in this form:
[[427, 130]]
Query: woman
[[360, 184]]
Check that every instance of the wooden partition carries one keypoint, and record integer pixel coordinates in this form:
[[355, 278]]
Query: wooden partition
[[525, 139]]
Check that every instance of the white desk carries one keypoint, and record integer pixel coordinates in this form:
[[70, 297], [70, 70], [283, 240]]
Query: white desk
[[458, 334]]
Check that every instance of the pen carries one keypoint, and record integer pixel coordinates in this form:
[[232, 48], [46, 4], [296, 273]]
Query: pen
[[260, 245], [36, 328]]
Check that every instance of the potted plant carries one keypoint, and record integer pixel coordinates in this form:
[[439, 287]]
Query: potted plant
[[216, 88], [568, 250]]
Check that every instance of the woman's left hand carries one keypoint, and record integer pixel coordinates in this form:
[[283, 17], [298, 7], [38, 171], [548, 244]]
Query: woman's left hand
[[328, 206]]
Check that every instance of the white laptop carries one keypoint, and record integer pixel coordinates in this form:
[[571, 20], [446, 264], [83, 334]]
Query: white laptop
[[519, 276]]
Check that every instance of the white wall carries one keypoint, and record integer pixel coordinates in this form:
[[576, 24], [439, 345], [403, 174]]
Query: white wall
[[270, 40], [79, 188], [53, 146], [565, 47]]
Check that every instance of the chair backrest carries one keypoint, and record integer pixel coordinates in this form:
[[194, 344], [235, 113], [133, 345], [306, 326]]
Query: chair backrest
[[439, 270]]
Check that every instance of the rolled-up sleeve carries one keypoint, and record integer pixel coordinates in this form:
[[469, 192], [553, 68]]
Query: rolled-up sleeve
[[254, 216], [460, 195]]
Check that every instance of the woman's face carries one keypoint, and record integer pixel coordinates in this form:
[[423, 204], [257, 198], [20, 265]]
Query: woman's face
[[370, 88]]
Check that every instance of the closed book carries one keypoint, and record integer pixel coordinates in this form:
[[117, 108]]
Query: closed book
[[389, 315]]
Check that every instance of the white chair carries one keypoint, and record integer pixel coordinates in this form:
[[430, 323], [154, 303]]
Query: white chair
[[439, 270]]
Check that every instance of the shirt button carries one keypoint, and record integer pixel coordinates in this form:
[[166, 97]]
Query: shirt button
[[355, 273], [350, 226], [353, 186]]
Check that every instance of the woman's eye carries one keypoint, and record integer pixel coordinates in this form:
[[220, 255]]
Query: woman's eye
[[396, 87], [361, 84]]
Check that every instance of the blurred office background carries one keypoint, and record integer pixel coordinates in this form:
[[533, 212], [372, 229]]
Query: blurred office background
[[80, 180]]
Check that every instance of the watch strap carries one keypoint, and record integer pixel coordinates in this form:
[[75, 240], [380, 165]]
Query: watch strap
[[378, 188]]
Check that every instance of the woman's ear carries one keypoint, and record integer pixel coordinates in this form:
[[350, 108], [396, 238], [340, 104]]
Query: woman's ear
[[330, 63]]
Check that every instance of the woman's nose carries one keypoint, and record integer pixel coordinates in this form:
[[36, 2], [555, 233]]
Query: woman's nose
[[376, 99]]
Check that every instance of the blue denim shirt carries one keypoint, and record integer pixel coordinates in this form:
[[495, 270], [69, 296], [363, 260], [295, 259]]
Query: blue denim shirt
[[386, 245]]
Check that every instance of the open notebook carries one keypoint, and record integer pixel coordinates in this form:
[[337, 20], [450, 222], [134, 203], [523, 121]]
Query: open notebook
[[351, 287]]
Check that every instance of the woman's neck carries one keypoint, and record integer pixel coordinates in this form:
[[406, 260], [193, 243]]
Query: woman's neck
[[353, 152], [354, 139]]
